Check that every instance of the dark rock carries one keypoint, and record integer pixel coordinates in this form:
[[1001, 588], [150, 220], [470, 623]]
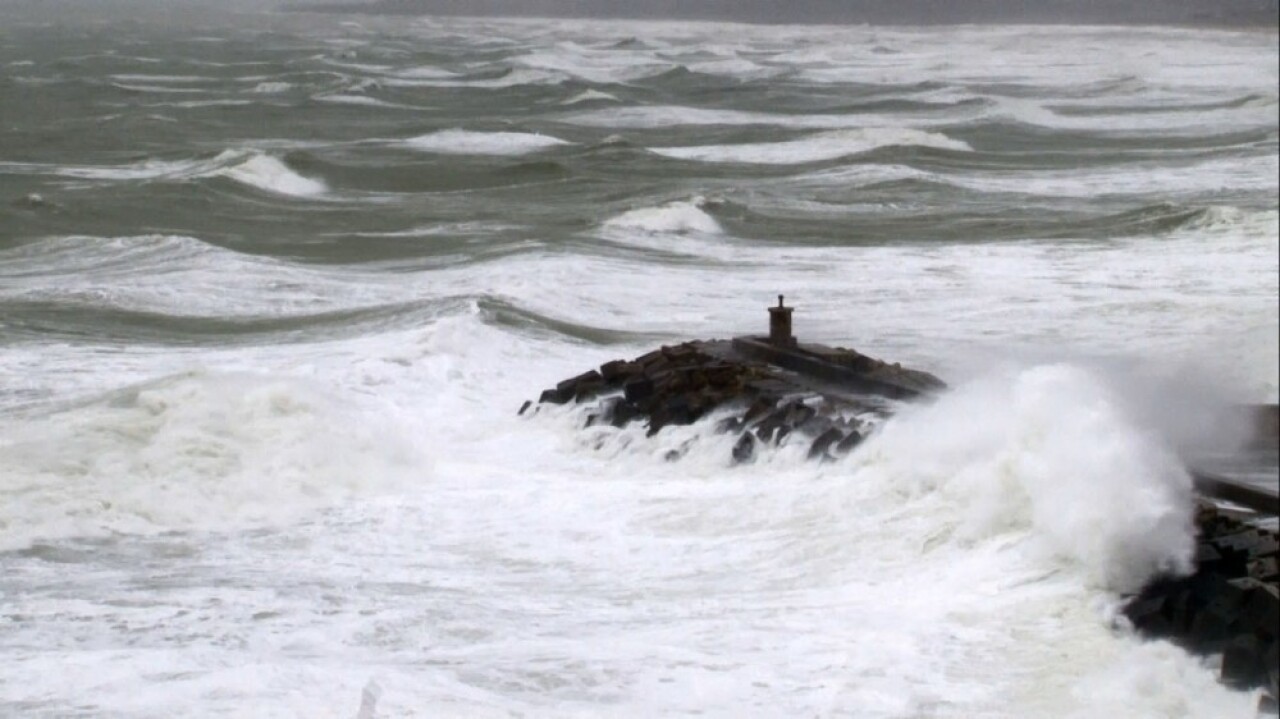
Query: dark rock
[[1242, 662], [1209, 631], [649, 358], [729, 424], [817, 425], [1208, 557], [618, 411], [721, 374], [1220, 608], [759, 408], [524, 407], [639, 389], [583, 387], [1265, 569], [846, 445], [745, 448], [571, 385], [765, 433], [1147, 614], [818, 449], [1271, 660], [618, 370], [588, 389], [1252, 542], [653, 362], [680, 354], [555, 396], [1261, 607]]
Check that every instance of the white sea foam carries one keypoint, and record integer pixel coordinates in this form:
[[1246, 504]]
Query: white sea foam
[[823, 146], [656, 116], [590, 96], [425, 72], [466, 142], [363, 100], [272, 87], [1062, 457], [144, 170], [1194, 121], [675, 218], [1169, 179], [608, 65], [171, 275], [157, 89], [250, 167], [165, 79], [736, 67], [270, 174], [514, 78], [195, 451]]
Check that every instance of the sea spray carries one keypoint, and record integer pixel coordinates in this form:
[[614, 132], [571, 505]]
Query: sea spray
[[1050, 449]]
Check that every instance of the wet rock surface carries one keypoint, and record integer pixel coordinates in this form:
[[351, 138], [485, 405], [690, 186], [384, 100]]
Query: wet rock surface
[[680, 384], [1229, 606]]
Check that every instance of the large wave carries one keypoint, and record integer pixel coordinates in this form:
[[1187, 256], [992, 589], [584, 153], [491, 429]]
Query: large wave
[[197, 451]]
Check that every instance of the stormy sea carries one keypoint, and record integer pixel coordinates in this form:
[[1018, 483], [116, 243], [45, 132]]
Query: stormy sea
[[271, 293]]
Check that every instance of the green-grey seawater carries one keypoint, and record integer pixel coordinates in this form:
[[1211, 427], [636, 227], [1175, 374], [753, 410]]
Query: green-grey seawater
[[272, 287]]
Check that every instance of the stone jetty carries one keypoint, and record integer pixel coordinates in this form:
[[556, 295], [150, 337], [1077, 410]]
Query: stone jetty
[[773, 387], [1229, 606], [767, 389]]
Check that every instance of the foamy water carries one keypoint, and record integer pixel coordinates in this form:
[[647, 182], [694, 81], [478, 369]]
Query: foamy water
[[259, 449]]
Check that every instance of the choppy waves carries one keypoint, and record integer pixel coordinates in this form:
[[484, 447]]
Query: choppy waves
[[269, 302]]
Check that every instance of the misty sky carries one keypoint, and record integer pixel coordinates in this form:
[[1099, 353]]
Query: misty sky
[[1229, 12], [1211, 12]]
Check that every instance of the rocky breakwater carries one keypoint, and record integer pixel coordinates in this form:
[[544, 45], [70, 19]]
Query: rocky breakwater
[[828, 401], [1229, 606]]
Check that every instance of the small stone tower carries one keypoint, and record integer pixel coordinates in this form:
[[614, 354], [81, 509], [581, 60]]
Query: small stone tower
[[780, 325]]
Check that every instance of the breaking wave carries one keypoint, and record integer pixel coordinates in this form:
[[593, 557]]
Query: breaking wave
[[192, 452], [823, 146], [1053, 450], [675, 218], [250, 167], [465, 142], [268, 173]]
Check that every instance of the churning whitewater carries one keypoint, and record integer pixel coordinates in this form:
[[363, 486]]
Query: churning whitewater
[[271, 293]]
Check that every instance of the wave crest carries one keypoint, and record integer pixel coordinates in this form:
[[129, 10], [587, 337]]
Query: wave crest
[[815, 148], [683, 217], [1059, 456], [191, 452], [466, 142]]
